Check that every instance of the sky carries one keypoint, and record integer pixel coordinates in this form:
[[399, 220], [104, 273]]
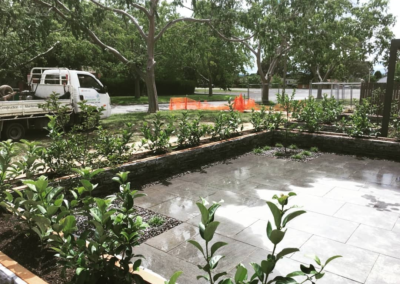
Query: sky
[[394, 8]]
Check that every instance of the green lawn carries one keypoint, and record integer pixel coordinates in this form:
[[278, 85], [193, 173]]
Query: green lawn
[[165, 99]]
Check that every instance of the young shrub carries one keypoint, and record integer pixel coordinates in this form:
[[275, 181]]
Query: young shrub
[[266, 148], [111, 232], [306, 153], [156, 221], [331, 109], [157, 134], [8, 169], [226, 124], [275, 233], [279, 154], [314, 149], [297, 157], [257, 151], [39, 206], [30, 164], [190, 133], [207, 228], [258, 119], [279, 145], [359, 123], [311, 115], [293, 147], [289, 104]]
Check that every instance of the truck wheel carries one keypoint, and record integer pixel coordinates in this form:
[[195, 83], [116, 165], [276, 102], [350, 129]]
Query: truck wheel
[[14, 131]]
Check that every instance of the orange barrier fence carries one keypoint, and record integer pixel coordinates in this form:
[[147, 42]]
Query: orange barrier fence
[[239, 104]]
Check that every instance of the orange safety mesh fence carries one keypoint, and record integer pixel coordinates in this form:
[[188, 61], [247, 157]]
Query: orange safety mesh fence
[[239, 104]]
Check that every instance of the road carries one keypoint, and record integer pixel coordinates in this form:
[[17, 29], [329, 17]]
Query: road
[[255, 94]]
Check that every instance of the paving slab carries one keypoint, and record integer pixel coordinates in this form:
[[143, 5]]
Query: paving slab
[[386, 271], [396, 227], [179, 208], [235, 252], [355, 264], [317, 204], [256, 235], [231, 223], [154, 197], [376, 240], [352, 196], [173, 238], [368, 216], [166, 265], [325, 226]]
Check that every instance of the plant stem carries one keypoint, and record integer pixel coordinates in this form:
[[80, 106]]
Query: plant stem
[[209, 269]]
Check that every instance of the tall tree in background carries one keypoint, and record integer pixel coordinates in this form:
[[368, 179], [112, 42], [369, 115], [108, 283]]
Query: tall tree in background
[[24, 37], [341, 32], [143, 15]]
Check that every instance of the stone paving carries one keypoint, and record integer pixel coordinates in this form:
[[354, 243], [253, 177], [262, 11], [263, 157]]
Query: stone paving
[[352, 204]]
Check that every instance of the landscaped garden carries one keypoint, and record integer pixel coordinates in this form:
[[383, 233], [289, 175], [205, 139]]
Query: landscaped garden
[[75, 201]]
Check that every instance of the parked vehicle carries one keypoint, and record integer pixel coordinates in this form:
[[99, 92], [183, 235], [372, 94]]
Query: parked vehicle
[[23, 111]]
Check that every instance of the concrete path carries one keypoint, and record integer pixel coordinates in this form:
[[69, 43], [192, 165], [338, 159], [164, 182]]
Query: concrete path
[[352, 204]]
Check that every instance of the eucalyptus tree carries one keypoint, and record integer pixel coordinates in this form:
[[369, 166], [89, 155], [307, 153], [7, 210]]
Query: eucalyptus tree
[[24, 37], [342, 32], [141, 14]]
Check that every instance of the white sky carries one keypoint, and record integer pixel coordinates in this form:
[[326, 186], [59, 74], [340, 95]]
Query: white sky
[[394, 8]]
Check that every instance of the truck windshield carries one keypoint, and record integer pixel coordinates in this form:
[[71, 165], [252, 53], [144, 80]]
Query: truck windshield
[[86, 81]]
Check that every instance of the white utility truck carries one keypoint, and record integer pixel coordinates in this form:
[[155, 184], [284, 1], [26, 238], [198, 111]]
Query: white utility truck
[[22, 112]]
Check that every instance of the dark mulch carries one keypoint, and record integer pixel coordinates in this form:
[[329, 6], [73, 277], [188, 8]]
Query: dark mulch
[[25, 249]]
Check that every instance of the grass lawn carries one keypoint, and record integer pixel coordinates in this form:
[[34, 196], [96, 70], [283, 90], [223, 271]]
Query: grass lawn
[[165, 99]]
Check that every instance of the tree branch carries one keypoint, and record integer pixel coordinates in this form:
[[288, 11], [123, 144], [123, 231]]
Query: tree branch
[[170, 24], [125, 14], [39, 55], [90, 33], [232, 39]]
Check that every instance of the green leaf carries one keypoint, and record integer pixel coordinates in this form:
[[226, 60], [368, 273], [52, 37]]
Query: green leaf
[[68, 225], [204, 213], [174, 277], [276, 236], [296, 273], [197, 245], [292, 194], [219, 275], [210, 230], [291, 216], [286, 280], [331, 258], [319, 275], [201, 276], [241, 273], [268, 265], [276, 213], [317, 260], [307, 270], [286, 251], [269, 229], [214, 261], [79, 270], [216, 246], [258, 271]]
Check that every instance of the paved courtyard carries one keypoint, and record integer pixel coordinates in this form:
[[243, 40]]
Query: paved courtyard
[[352, 204]]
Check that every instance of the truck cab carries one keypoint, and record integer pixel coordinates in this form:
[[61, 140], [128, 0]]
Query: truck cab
[[71, 84]]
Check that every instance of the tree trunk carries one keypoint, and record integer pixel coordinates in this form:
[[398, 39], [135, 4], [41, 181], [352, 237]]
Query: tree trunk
[[152, 91], [150, 76], [265, 93], [137, 88], [319, 95], [210, 88], [284, 74]]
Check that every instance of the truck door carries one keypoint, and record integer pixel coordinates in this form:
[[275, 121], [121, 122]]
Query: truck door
[[93, 92]]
